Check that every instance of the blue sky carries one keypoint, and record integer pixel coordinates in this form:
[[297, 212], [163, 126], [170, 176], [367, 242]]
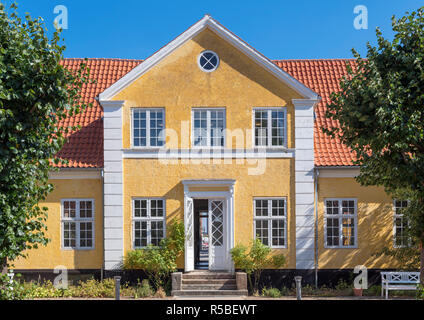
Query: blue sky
[[299, 29]]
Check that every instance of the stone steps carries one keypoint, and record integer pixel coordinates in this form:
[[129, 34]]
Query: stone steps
[[207, 283], [212, 293]]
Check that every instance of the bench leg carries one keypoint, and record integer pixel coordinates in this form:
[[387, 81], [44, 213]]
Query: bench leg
[[387, 293]]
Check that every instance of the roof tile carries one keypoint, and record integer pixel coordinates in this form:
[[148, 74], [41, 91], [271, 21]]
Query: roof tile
[[84, 148]]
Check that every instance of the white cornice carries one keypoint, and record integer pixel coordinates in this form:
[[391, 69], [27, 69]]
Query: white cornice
[[71, 174], [305, 102], [347, 172], [207, 22], [111, 103]]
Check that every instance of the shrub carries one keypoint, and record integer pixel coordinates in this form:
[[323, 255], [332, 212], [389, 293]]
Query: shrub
[[160, 293], [420, 292], [271, 292], [144, 290], [158, 262], [10, 288], [254, 260]]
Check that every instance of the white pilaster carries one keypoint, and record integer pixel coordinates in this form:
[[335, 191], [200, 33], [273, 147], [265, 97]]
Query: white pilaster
[[304, 182], [113, 184]]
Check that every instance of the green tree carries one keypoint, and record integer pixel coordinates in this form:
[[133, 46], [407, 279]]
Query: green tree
[[36, 94], [380, 110]]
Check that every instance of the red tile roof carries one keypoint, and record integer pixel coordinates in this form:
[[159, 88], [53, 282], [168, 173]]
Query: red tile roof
[[322, 76], [84, 148]]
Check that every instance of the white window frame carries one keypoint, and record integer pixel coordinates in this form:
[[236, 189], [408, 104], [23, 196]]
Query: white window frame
[[208, 127], [340, 217], [77, 220], [269, 128], [148, 110], [147, 219], [395, 215], [201, 54], [270, 218]]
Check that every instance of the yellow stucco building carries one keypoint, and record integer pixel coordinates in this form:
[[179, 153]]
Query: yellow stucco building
[[209, 131]]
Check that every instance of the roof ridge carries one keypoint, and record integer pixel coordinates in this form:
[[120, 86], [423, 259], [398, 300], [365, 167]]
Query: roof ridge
[[116, 59]]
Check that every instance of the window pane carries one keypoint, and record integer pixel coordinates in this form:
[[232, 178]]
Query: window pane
[[156, 232], [277, 128], [156, 208], [348, 207], [140, 208], [261, 128], [217, 128], [140, 233], [69, 209], [86, 234], [261, 229], [86, 210], [348, 229], [69, 234], [332, 232], [332, 207], [261, 208], [278, 207], [200, 134], [156, 128], [278, 232], [139, 128]]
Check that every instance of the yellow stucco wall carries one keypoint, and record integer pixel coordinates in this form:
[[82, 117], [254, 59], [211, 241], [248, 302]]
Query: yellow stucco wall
[[150, 178], [375, 225], [177, 84], [52, 255]]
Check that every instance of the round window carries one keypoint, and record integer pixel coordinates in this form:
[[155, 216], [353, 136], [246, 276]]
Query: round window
[[208, 61]]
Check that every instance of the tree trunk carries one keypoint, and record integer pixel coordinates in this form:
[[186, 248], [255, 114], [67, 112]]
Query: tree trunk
[[3, 266], [422, 262]]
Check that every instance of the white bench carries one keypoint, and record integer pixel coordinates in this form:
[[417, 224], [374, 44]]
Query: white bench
[[399, 281]]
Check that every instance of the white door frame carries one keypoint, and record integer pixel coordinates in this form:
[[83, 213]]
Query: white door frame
[[228, 196]]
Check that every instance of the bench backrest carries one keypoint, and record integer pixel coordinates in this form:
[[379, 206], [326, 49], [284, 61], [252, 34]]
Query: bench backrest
[[400, 277]]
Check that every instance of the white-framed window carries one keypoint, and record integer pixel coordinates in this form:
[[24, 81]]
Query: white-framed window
[[270, 221], [208, 127], [149, 216], [400, 225], [148, 127], [269, 127], [208, 61], [340, 223], [77, 223]]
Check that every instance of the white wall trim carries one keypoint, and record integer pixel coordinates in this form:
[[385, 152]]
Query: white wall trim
[[113, 184], [207, 22], [202, 153], [304, 182]]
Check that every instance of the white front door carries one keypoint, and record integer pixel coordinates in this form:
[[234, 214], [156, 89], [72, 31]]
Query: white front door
[[217, 245], [189, 233]]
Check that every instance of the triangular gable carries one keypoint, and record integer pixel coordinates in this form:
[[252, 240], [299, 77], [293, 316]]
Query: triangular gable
[[207, 22]]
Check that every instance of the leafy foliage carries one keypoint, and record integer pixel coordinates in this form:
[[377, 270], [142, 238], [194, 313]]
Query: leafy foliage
[[36, 93], [381, 115], [158, 262], [408, 257], [11, 288], [255, 259]]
